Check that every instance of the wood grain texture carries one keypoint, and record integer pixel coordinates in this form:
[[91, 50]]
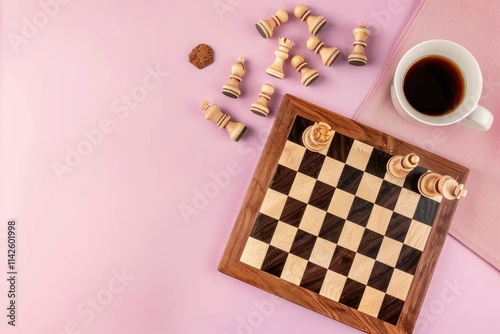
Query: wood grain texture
[[307, 292]]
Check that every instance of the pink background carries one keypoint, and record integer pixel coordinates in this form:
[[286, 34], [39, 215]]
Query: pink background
[[103, 246]]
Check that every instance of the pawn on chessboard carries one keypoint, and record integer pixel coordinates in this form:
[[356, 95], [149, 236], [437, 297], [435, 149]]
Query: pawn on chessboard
[[432, 184], [317, 136], [266, 27], [232, 88], [328, 54], [358, 57], [213, 113], [260, 107], [401, 166], [308, 75], [314, 23]]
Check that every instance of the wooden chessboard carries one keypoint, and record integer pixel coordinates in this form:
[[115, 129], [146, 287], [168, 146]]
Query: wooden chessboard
[[332, 231]]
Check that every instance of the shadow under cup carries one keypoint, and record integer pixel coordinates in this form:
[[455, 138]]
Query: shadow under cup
[[437, 82]]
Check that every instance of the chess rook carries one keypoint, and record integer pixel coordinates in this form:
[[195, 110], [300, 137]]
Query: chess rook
[[276, 69], [358, 57], [260, 106], [317, 136], [266, 27], [432, 184], [328, 54], [212, 112], [401, 166], [308, 75], [232, 88], [314, 23]]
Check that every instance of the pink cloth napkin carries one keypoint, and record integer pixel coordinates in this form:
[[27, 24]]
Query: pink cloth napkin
[[475, 25]]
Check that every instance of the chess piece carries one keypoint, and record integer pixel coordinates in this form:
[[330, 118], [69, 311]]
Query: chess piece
[[276, 69], [260, 106], [232, 88], [265, 28], [308, 75], [212, 112], [317, 136], [328, 54], [401, 166], [432, 184], [314, 23], [358, 57]]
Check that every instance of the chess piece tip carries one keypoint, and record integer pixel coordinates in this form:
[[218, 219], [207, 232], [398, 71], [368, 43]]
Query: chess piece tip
[[297, 60], [282, 15], [267, 89], [312, 42], [460, 191], [287, 41], [300, 10], [204, 105]]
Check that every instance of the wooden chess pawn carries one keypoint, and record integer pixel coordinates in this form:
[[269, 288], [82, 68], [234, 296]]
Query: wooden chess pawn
[[276, 69], [260, 106], [432, 184], [314, 23], [266, 27], [358, 57], [328, 54], [232, 88], [317, 136], [401, 166], [308, 75], [212, 112]]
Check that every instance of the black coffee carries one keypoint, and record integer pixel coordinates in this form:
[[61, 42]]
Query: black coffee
[[434, 85]]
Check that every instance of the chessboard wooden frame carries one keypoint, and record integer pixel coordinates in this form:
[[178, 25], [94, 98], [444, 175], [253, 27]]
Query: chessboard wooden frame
[[230, 264]]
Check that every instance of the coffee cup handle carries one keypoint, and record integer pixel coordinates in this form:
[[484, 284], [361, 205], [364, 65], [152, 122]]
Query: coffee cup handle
[[479, 119]]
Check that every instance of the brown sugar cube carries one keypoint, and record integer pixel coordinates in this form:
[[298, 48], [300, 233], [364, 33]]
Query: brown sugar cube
[[201, 56]]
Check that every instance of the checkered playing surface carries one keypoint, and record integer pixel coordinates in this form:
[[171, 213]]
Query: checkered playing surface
[[335, 223]]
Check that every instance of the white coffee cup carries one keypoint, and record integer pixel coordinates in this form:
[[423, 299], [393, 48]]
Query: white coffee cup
[[468, 113]]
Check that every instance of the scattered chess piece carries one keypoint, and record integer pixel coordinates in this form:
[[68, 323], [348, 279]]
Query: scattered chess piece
[[308, 75], [212, 112], [314, 23], [266, 27], [317, 136], [432, 184], [358, 57], [328, 54], [260, 106], [232, 88], [401, 166], [276, 69]]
